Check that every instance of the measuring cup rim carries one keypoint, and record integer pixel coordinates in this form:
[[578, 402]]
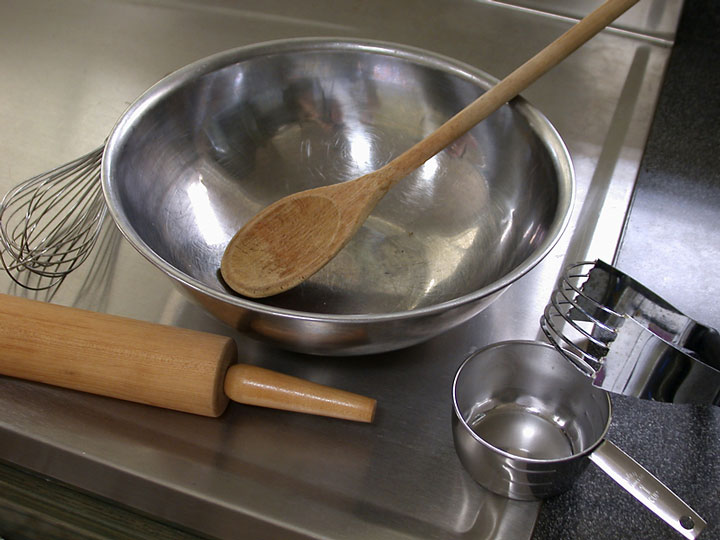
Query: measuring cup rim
[[461, 418]]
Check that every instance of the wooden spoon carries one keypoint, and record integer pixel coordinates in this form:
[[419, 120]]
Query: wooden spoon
[[294, 237]]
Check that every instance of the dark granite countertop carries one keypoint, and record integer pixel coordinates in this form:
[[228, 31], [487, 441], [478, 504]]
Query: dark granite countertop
[[671, 244]]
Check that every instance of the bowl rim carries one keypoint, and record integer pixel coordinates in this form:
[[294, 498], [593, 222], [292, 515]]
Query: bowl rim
[[554, 144]]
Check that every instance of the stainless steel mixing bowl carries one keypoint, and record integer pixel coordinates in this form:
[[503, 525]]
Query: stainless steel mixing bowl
[[210, 145]]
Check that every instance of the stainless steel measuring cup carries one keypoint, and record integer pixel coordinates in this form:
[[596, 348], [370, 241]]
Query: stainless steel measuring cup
[[526, 423]]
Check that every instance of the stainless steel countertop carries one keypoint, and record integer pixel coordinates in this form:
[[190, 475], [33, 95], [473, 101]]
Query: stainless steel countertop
[[71, 68]]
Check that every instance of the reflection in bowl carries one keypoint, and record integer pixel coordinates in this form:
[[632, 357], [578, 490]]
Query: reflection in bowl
[[212, 144]]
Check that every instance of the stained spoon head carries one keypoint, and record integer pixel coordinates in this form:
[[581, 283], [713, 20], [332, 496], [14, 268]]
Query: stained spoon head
[[289, 241], [281, 247]]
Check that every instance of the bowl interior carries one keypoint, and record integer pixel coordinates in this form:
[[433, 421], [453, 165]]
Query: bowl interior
[[209, 147]]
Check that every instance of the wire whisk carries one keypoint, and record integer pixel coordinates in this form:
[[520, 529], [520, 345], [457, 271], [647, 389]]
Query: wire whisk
[[50, 223]]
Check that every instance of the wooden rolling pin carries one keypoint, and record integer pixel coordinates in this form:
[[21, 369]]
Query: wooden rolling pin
[[159, 365]]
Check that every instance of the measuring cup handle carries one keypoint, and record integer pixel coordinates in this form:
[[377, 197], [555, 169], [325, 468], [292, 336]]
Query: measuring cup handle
[[647, 489]]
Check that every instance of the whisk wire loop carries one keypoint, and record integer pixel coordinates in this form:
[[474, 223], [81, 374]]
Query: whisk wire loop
[[577, 323], [50, 223]]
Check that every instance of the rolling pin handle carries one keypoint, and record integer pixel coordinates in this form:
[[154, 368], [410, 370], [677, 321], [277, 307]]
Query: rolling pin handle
[[253, 385]]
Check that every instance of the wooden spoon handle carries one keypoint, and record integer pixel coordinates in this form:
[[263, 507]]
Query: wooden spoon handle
[[505, 90]]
